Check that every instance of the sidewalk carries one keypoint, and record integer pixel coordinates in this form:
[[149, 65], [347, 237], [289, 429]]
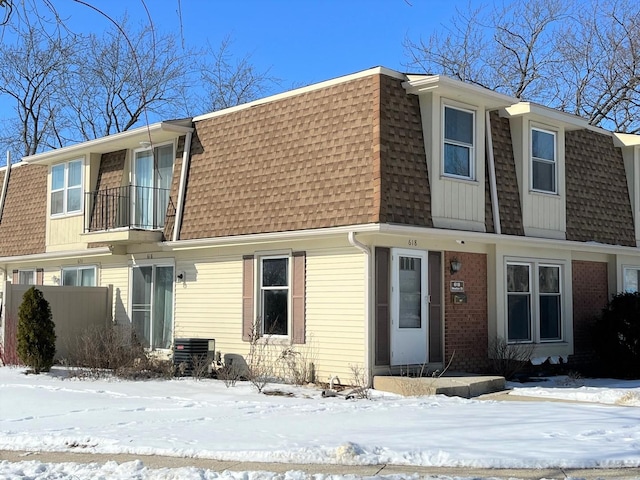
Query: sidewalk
[[155, 462]]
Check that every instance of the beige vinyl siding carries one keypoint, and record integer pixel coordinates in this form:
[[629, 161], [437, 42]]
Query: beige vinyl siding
[[336, 311], [209, 302], [209, 305], [118, 276], [64, 233]]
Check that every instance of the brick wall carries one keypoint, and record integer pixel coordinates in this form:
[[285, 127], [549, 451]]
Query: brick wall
[[465, 325], [590, 295]]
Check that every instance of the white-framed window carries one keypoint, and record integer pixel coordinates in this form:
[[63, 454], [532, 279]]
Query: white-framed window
[[84, 276], [534, 302], [66, 188], [27, 277], [631, 279], [274, 295], [458, 149], [543, 160]]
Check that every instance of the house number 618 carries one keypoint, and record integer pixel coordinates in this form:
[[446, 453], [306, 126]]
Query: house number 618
[[413, 242]]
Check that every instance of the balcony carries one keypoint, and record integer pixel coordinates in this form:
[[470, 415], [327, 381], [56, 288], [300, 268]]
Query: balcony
[[128, 214]]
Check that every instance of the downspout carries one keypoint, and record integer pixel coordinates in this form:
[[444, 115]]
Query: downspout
[[492, 176], [367, 295], [186, 158], [5, 185], [3, 196]]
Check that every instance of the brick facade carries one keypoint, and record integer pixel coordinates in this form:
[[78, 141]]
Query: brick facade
[[590, 295], [465, 328]]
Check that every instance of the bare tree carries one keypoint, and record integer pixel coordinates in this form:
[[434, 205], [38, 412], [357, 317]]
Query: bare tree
[[583, 59], [228, 80], [67, 87], [33, 72], [123, 82]]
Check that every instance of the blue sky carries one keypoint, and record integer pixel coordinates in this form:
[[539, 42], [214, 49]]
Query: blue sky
[[300, 41]]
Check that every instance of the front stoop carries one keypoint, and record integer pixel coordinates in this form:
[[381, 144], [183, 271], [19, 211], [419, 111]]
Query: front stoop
[[466, 387]]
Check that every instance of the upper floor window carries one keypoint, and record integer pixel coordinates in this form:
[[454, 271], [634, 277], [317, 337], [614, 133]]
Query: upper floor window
[[543, 160], [66, 187], [534, 302], [79, 276], [274, 295], [458, 148]]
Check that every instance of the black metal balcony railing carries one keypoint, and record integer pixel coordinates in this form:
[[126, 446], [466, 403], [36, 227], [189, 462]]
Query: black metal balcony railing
[[131, 206]]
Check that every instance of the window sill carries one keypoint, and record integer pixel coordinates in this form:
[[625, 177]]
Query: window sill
[[281, 340], [60, 216], [454, 178]]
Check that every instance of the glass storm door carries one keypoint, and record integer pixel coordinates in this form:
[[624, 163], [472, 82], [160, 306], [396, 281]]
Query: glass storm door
[[408, 307], [152, 305]]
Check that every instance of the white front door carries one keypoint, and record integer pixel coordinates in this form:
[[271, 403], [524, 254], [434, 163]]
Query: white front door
[[409, 306]]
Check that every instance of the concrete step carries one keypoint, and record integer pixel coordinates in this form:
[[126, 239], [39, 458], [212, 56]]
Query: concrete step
[[452, 386]]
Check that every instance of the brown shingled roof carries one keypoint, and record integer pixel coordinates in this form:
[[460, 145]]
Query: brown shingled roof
[[406, 194], [23, 223], [506, 178], [598, 204], [300, 162]]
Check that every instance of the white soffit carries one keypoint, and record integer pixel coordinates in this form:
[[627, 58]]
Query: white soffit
[[457, 90]]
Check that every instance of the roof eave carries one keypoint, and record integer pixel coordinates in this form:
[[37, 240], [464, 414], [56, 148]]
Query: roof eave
[[131, 138]]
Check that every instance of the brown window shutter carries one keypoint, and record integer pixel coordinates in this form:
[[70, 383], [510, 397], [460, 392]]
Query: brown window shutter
[[298, 297], [435, 307], [382, 313], [16, 277], [247, 297], [39, 276]]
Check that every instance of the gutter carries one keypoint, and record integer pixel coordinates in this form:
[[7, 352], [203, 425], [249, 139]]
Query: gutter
[[37, 257], [253, 238], [492, 176], [182, 189], [5, 185], [367, 299]]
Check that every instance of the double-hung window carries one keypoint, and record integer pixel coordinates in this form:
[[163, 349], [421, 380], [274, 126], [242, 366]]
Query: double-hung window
[[534, 302], [66, 188], [543, 160], [26, 277], [631, 280], [458, 146], [79, 276], [274, 295]]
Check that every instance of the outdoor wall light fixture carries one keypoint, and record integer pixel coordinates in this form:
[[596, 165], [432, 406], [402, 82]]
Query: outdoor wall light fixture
[[56, 280], [456, 265], [144, 144]]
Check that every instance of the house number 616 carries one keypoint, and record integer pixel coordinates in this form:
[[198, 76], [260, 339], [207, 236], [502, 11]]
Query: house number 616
[[413, 242]]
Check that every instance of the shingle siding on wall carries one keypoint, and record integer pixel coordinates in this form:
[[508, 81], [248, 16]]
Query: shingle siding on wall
[[111, 170], [296, 163], [598, 204], [509, 204], [405, 192], [22, 227]]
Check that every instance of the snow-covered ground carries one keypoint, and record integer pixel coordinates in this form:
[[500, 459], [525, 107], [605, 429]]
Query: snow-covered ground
[[185, 417]]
